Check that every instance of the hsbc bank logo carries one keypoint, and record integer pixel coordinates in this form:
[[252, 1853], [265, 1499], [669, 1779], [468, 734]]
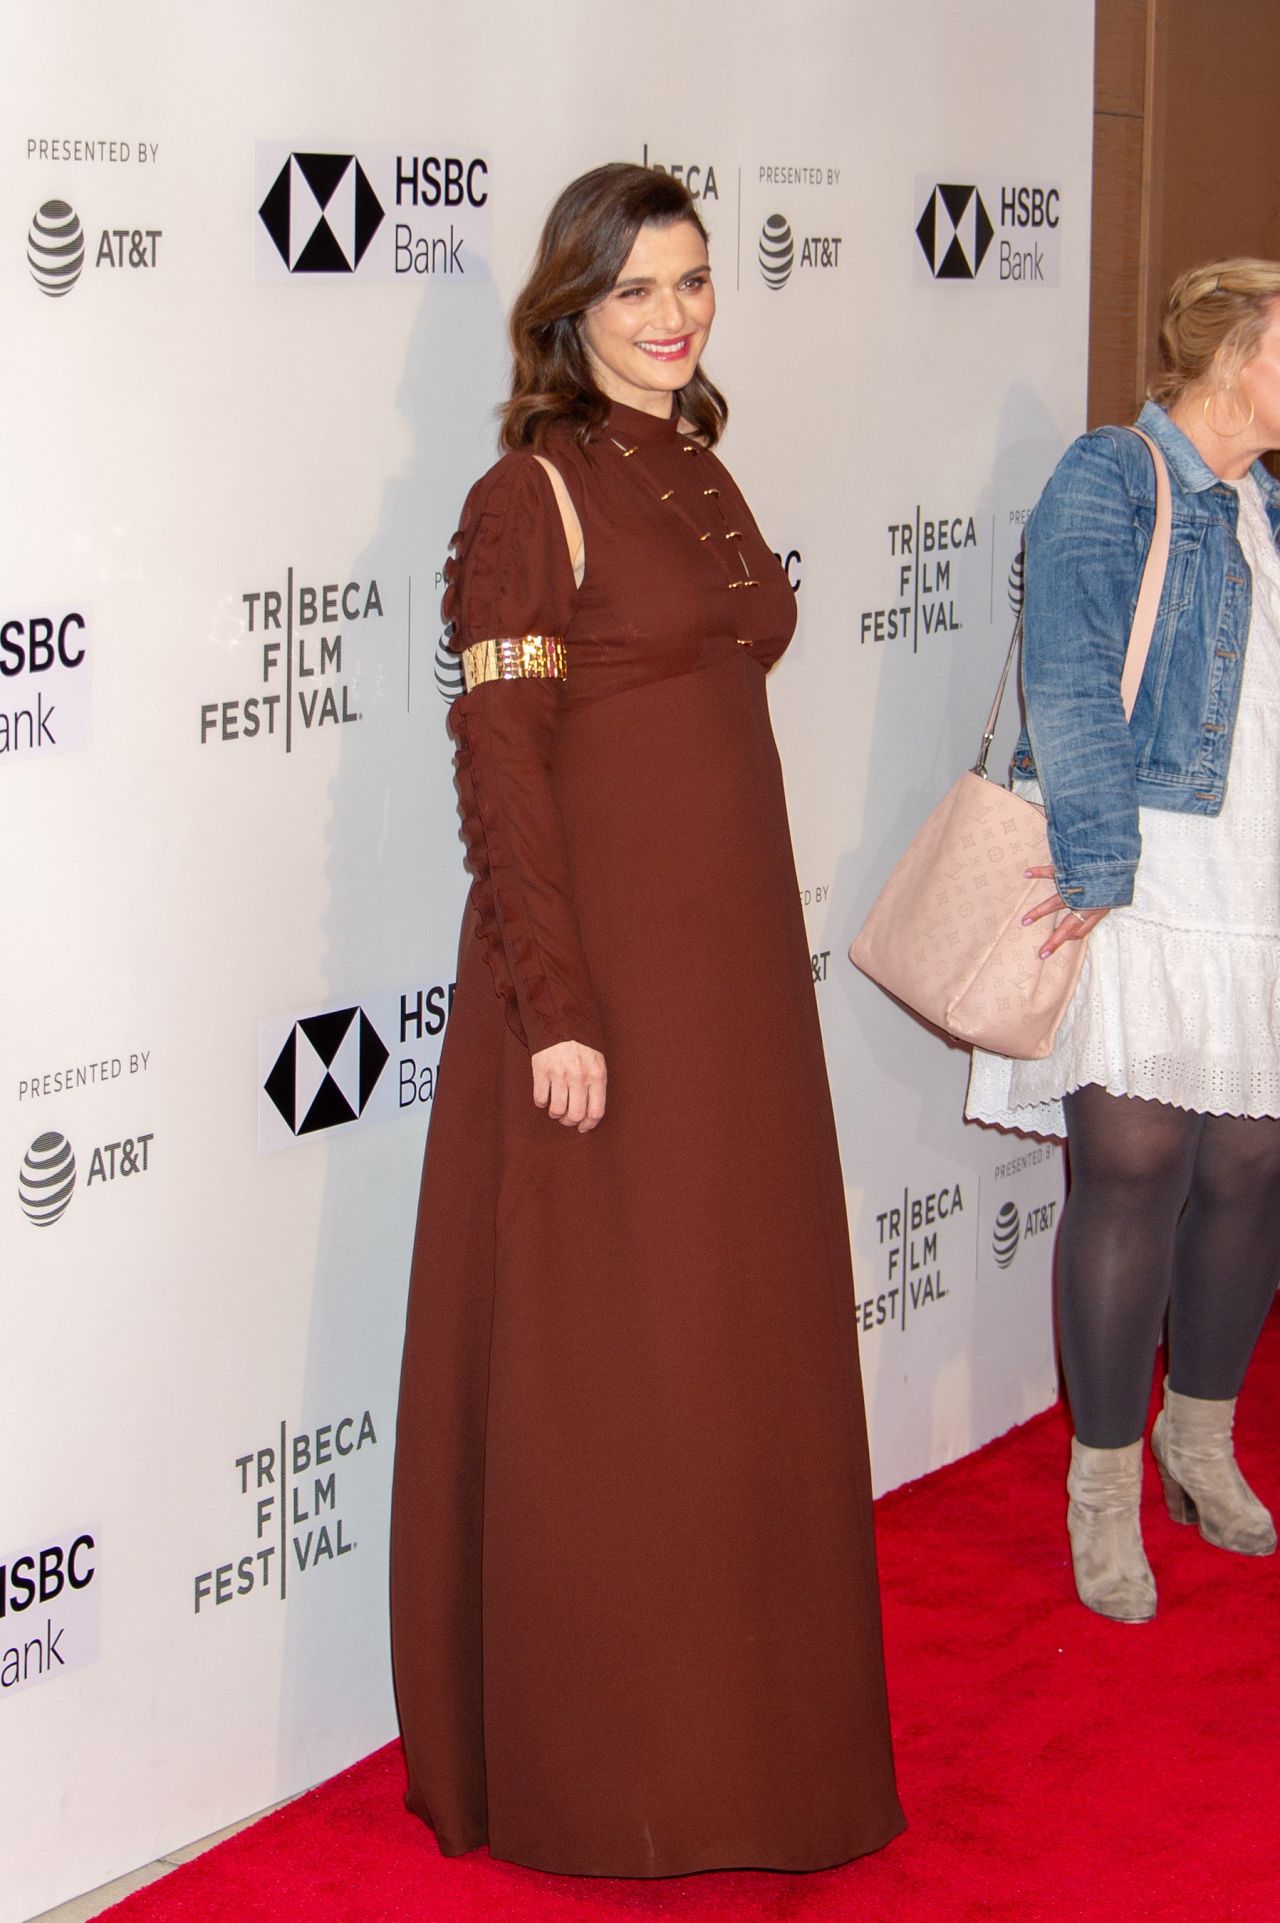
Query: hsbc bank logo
[[954, 232], [333, 1069], [379, 215], [1009, 234], [321, 213], [326, 1071]]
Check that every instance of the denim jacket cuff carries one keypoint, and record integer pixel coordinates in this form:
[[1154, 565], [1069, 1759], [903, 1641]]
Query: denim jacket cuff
[[1109, 886]]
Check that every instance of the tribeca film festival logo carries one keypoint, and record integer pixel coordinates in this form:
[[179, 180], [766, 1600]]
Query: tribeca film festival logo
[[699, 176], [303, 667], [297, 1523], [48, 1611], [941, 576], [56, 248], [956, 224], [910, 1249], [319, 214], [44, 683], [328, 1069], [47, 1177], [935, 565]]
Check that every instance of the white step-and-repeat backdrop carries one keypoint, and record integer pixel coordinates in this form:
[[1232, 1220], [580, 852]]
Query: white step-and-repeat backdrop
[[255, 267]]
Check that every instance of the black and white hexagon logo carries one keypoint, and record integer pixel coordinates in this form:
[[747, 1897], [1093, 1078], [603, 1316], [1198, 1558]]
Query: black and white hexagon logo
[[55, 248], [327, 1070], [47, 1179], [954, 232], [321, 212]]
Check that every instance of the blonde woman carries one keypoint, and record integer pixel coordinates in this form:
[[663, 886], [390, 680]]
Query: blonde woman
[[1165, 839]]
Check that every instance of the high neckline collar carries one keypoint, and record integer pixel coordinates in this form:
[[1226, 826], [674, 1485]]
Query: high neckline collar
[[628, 423]]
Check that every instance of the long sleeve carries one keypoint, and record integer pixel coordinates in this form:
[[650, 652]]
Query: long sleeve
[[511, 578], [1083, 564]]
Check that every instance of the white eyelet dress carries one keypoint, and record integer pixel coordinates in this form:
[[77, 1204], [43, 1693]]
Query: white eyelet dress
[[1179, 999]]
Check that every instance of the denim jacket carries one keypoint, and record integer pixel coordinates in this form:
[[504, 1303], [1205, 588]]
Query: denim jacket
[[1086, 543]]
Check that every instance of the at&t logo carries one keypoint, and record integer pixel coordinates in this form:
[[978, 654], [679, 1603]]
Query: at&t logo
[[1011, 1228], [47, 1179], [55, 248], [1006, 1234], [450, 681], [780, 253]]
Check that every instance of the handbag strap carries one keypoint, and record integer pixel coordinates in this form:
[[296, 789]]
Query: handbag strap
[[1144, 614]]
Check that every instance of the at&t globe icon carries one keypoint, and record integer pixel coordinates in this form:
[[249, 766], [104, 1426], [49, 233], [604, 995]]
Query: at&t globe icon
[[55, 248], [777, 251], [1004, 1237], [47, 1179]]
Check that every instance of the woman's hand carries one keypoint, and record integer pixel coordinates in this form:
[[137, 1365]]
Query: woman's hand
[[1077, 923], [569, 1082]]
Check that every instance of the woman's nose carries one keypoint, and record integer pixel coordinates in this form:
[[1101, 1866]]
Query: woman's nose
[[671, 310]]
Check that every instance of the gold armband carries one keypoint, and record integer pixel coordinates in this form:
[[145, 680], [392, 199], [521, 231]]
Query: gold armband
[[525, 657]]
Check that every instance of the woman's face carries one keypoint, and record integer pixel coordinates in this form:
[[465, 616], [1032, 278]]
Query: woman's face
[[1259, 382], [645, 337]]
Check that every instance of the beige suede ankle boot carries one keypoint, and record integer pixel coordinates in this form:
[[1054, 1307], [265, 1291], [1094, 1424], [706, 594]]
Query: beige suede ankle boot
[[1193, 1449], [1112, 1573]]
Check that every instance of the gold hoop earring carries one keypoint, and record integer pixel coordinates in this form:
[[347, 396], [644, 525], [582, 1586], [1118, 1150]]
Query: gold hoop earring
[[1226, 434]]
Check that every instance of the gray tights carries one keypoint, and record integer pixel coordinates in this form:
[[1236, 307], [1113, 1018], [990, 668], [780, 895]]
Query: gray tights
[[1170, 1213]]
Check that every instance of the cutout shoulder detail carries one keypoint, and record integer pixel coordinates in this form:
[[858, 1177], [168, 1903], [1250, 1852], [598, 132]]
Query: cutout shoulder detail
[[568, 516]]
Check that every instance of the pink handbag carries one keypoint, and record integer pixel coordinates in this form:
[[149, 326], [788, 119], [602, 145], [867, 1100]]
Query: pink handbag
[[945, 935]]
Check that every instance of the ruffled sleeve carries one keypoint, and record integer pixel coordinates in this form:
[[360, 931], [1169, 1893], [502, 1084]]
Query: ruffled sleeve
[[510, 577]]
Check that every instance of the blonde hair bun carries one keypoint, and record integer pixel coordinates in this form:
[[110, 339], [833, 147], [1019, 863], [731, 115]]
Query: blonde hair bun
[[1217, 312]]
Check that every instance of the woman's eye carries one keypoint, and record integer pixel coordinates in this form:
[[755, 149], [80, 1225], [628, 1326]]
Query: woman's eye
[[697, 281]]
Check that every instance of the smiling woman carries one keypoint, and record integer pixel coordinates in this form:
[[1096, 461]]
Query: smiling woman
[[633, 1590], [646, 336], [618, 308]]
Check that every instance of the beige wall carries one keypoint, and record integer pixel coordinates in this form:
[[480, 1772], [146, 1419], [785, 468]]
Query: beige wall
[[1186, 166]]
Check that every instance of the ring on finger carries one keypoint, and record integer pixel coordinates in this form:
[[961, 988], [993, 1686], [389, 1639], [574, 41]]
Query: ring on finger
[[1081, 918]]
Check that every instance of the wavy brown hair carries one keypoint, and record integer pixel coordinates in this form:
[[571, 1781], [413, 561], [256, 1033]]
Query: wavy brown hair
[[584, 246]]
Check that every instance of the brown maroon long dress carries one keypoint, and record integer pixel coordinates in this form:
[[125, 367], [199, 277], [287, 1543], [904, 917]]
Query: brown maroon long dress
[[635, 1616]]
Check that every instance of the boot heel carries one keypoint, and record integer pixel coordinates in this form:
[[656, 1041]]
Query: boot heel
[[1193, 1449], [1177, 1501]]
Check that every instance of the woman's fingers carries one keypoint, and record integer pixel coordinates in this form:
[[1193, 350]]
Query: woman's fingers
[[569, 1081], [1053, 905], [1076, 923], [595, 1106], [1072, 927]]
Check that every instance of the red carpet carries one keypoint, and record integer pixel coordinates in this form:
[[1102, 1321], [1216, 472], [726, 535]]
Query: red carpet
[[1054, 1768]]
